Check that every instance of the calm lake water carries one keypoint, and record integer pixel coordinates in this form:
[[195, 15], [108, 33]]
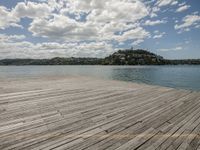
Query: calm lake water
[[181, 76]]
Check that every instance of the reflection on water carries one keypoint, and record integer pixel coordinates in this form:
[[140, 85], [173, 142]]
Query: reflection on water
[[186, 77]]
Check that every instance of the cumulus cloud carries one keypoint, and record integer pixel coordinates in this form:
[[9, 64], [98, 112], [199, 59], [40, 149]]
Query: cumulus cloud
[[158, 34], [26, 49], [182, 4], [85, 27], [178, 48], [161, 3], [174, 3], [188, 22], [31, 10], [62, 27], [183, 8], [154, 11], [7, 18], [93, 23], [93, 19], [137, 42], [116, 10], [101, 20], [152, 23], [11, 38], [134, 34]]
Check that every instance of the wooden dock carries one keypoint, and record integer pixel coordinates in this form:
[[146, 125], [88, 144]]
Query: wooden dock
[[76, 113]]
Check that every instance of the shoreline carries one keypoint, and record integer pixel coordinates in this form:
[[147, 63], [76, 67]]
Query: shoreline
[[38, 77], [42, 79]]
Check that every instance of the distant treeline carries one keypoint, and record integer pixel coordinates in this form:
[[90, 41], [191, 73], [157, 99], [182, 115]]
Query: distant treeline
[[53, 61], [122, 57], [182, 62]]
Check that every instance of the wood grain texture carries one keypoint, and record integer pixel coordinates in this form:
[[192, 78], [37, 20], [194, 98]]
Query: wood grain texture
[[82, 113]]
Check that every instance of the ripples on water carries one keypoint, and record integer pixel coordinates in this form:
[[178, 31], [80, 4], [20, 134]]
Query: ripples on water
[[181, 76]]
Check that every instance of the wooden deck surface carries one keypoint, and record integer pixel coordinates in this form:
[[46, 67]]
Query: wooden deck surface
[[76, 113]]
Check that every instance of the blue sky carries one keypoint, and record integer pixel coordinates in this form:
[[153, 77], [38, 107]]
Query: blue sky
[[97, 28]]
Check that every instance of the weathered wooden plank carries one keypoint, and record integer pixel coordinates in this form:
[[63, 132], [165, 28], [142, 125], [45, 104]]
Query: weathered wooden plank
[[125, 125], [164, 128], [119, 126], [176, 129], [82, 113], [138, 140]]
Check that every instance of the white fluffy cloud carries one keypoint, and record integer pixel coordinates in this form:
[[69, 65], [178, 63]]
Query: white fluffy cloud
[[92, 19], [53, 49], [152, 23], [188, 22], [101, 20], [158, 34], [96, 24], [10, 38], [161, 3], [31, 10], [178, 48], [7, 18], [134, 34], [137, 42], [183, 8], [116, 10], [93, 23]]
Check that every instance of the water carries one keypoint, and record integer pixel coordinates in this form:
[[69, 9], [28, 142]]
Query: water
[[181, 76]]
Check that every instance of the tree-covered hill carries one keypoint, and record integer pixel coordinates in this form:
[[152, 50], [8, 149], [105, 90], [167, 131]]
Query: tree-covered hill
[[121, 57], [133, 57], [53, 61]]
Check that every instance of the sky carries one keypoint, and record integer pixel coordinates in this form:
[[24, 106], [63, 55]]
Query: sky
[[97, 28]]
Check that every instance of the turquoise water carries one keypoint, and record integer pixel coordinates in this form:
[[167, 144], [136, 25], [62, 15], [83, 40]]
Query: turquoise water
[[181, 76]]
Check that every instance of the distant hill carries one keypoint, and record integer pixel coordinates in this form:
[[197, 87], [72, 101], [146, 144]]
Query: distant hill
[[121, 57], [53, 61], [133, 57]]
